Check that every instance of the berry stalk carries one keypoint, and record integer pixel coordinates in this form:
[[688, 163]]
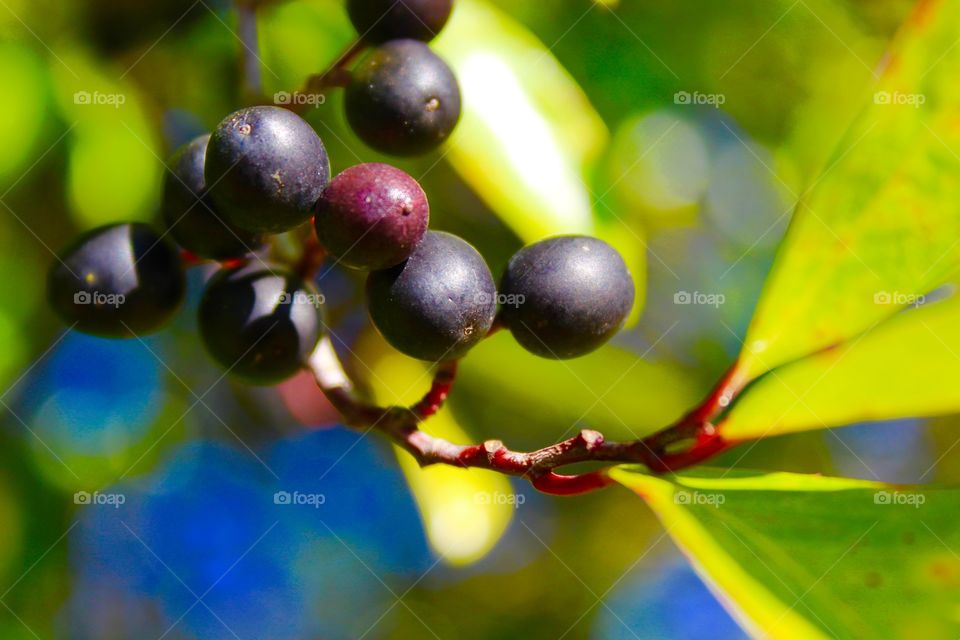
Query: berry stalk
[[402, 426]]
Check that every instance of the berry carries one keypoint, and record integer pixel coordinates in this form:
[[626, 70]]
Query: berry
[[438, 303], [372, 216], [380, 20], [265, 168], [570, 294], [189, 212], [259, 323], [403, 99], [117, 281]]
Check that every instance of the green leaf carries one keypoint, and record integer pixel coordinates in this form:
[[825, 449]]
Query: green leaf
[[796, 556], [906, 366], [882, 220]]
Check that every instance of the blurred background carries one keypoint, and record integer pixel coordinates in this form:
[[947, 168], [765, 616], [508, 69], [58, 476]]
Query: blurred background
[[143, 494]]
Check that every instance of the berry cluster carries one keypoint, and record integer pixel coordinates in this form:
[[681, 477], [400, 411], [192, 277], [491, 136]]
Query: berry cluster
[[264, 171]]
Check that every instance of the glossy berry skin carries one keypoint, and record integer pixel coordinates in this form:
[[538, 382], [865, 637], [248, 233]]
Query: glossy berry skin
[[372, 216], [117, 281], [380, 20], [265, 168], [189, 212], [438, 303], [403, 99], [566, 295], [261, 324]]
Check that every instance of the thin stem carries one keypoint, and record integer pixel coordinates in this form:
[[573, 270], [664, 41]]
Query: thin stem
[[250, 58], [311, 259], [337, 74], [190, 259], [401, 425]]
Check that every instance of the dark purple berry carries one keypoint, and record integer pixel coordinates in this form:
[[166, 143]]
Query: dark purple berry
[[117, 281], [261, 324], [380, 20], [372, 216], [438, 303], [403, 99], [265, 169], [566, 296], [189, 212]]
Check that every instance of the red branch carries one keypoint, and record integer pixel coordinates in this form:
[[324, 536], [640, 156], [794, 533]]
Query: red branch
[[689, 441]]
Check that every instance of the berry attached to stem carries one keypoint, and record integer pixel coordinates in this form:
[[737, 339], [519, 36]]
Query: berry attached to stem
[[265, 169], [380, 20], [372, 216], [190, 214], [260, 324], [436, 305], [403, 99], [572, 294], [117, 281]]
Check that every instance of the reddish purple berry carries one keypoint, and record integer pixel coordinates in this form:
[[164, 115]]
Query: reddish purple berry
[[372, 216]]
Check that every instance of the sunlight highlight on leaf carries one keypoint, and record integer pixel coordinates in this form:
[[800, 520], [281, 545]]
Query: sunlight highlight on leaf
[[527, 132]]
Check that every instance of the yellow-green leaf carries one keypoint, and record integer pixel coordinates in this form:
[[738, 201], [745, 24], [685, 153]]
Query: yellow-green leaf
[[806, 557], [906, 366], [882, 220]]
